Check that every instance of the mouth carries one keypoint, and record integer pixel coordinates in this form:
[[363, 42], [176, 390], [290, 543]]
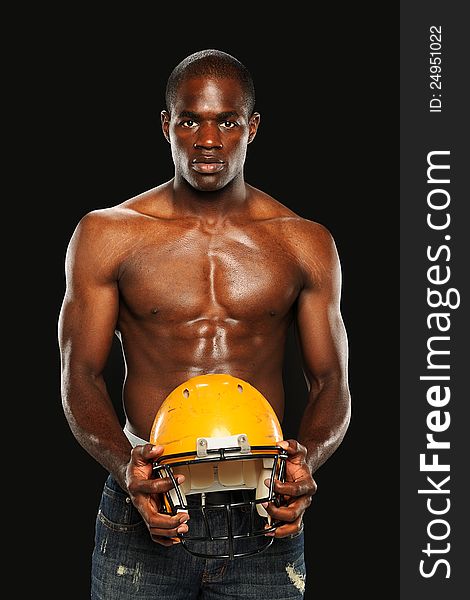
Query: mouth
[[207, 165]]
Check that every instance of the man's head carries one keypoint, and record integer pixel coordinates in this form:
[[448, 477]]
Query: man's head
[[214, 64], [209, 120]]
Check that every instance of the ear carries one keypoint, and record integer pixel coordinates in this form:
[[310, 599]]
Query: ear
[[253, 124], [165, 118]]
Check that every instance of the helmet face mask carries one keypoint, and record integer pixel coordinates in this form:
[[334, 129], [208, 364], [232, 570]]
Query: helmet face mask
[[218, 421]]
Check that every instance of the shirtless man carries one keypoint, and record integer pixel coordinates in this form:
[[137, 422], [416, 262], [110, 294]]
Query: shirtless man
[[203, 274]]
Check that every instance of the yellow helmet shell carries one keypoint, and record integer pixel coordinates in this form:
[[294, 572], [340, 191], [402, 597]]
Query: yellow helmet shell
[[214, 406]]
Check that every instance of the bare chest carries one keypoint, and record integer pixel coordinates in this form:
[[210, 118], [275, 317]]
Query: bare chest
[[193, 274]]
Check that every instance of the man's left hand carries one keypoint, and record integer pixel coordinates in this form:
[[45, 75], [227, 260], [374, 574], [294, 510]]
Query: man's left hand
[[297, 491]]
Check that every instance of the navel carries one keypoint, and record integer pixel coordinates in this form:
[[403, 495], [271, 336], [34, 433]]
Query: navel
[[272, 313], [154, 311]]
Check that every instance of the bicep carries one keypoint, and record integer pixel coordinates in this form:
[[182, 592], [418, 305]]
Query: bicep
[[320, 329], [89, 310], [86, 328], [321, 337]]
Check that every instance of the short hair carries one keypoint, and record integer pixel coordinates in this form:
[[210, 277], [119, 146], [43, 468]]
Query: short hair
[[214, 63]]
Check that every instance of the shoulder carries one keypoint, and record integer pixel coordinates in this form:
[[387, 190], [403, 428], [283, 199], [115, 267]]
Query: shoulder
[[303, 236], [314, 250], [265, 207], [116, 223], [309, 244], [308, 237], [98, 233], [103, 237], [103, 221], [93, 244]]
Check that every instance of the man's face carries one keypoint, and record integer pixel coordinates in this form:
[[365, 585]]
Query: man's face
[[209, 129]]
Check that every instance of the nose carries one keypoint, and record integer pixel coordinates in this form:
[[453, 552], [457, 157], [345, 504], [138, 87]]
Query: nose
[[208, 137]]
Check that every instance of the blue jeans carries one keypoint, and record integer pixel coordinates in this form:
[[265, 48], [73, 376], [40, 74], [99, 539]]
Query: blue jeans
[[127, 564]]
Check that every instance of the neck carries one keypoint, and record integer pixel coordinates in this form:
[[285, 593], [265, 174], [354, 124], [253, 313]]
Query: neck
[[210, 206]]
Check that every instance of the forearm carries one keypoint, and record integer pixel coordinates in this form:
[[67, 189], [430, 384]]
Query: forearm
[[94, 423], [325, 421]]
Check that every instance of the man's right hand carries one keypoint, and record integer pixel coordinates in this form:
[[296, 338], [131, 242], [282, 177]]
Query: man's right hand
[[144, 491]]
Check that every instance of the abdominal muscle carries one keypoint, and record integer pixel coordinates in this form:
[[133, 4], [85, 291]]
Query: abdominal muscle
[[159, 358]]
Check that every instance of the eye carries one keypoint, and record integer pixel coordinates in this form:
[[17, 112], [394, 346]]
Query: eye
[[189, 124], [229, 124]]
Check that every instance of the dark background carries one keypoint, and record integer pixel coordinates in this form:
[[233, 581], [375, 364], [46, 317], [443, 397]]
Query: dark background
[[327, 148]]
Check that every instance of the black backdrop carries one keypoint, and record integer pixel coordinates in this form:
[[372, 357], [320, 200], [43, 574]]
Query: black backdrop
[[326, 148]]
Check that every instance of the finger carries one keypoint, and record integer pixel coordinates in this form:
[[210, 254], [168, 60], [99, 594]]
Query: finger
[[142, 455], [167, 523], [166, 541], [169, 527], [168, 533], [306, 487], [293, 448], [302, 487], [287, 529], [288, 513], [150, 509], [157, 485]]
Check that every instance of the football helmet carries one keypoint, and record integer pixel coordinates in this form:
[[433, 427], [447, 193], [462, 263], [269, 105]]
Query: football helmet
[[222, 434]]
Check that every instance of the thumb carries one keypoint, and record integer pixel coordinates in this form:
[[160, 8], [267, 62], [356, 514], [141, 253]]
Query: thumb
[[295, 450], [145, 454]]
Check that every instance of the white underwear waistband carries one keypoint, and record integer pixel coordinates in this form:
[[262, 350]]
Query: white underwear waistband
[[134, 440]]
